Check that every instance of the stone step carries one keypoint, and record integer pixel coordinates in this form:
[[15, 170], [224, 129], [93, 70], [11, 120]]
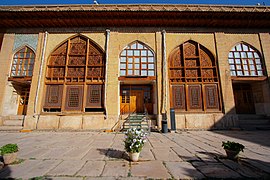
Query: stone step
[[13, 122], [254, 121], [15, 117], [251, 117], [11, 128]]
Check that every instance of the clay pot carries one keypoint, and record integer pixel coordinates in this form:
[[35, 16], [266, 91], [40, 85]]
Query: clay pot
[[10, 158], [233, 155], [134, 156]]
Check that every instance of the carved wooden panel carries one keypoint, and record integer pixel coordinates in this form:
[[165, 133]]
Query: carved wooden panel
[[211, 96], [53, 96], [178, 93], [190, 49], [95, 60], [207, 73], [205, 59], [191, 63], [192, 73], [77, 60], [95, 72], [58, 60], [74, 96], [94, 96], [195, 97], [61, 50], [176, 73], [75, 71]]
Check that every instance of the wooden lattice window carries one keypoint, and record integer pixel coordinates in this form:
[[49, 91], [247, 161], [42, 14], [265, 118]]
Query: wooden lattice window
[[245, 60], [74, 96], [53, 96], [78, 65], [178, 96], [193, 78], [23, 63], [137, 59], [94, 96]]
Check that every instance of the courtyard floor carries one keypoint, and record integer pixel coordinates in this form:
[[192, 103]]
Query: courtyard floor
[[98, 155]]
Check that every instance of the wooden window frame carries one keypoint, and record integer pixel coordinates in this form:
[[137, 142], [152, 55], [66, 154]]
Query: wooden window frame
[[245, 61], [138, 59], [192, 65], [23, 63], [78, 62]]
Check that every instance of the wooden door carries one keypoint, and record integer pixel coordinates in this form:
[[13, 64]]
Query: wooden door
[[23, 102], [136, 101], [243, 98], [133, 99]]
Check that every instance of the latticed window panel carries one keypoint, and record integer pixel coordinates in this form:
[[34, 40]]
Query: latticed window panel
[[245, 60], [94, 96], [178, 96], [211, 96], [23, 63], [137, 60], [53, 96], [195, 97], [74, 98], [73, 59], [193, 78], [78, 65]]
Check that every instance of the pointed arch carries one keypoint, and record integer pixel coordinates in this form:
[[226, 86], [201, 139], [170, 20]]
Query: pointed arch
[[193, 75], [137, 59], [23, 62], [245, 60], [76, 68]]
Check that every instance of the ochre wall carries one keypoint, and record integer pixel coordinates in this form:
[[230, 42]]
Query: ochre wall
[[219, 44]]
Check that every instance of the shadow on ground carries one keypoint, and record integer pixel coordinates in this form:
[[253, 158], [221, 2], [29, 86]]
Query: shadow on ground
[[114, 153]]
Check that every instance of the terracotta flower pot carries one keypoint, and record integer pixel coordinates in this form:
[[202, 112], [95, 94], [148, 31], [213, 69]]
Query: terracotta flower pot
[[134, 156], [10, 158], [233, 155]]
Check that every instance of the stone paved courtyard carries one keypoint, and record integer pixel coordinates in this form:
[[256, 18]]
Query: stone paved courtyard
[[96, 155]]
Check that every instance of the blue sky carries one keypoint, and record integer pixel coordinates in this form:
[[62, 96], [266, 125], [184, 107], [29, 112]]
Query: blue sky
[[230, 2]]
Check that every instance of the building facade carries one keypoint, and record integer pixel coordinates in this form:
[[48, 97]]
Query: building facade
[[89, 66]]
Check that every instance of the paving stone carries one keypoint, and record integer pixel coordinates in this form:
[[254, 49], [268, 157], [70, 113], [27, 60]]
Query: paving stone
[[92, 168], [242, 169], [75, 153], [146, 155], [101, 178], [67, 168], [183, 170], [216, 170], [184, 154], [166, 154], [116, 169], [95, 154], [64, 178], [149, 169], [115, 154]]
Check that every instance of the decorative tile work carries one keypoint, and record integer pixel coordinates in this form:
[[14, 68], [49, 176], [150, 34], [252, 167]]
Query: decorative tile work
[[25, 39]]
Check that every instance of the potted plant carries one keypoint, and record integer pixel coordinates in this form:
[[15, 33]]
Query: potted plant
[[9, 153], [134, 142], [232, 149]]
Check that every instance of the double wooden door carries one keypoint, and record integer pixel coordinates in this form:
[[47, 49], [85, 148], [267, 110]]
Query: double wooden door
[[135, 99]]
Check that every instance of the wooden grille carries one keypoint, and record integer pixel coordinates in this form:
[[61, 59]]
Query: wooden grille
[[23, 63], [211, 96], [54, 96], [77, 65], [245, 60], [94, 96], [74, 98], [195, 98], [178, 96], [192, 71]]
